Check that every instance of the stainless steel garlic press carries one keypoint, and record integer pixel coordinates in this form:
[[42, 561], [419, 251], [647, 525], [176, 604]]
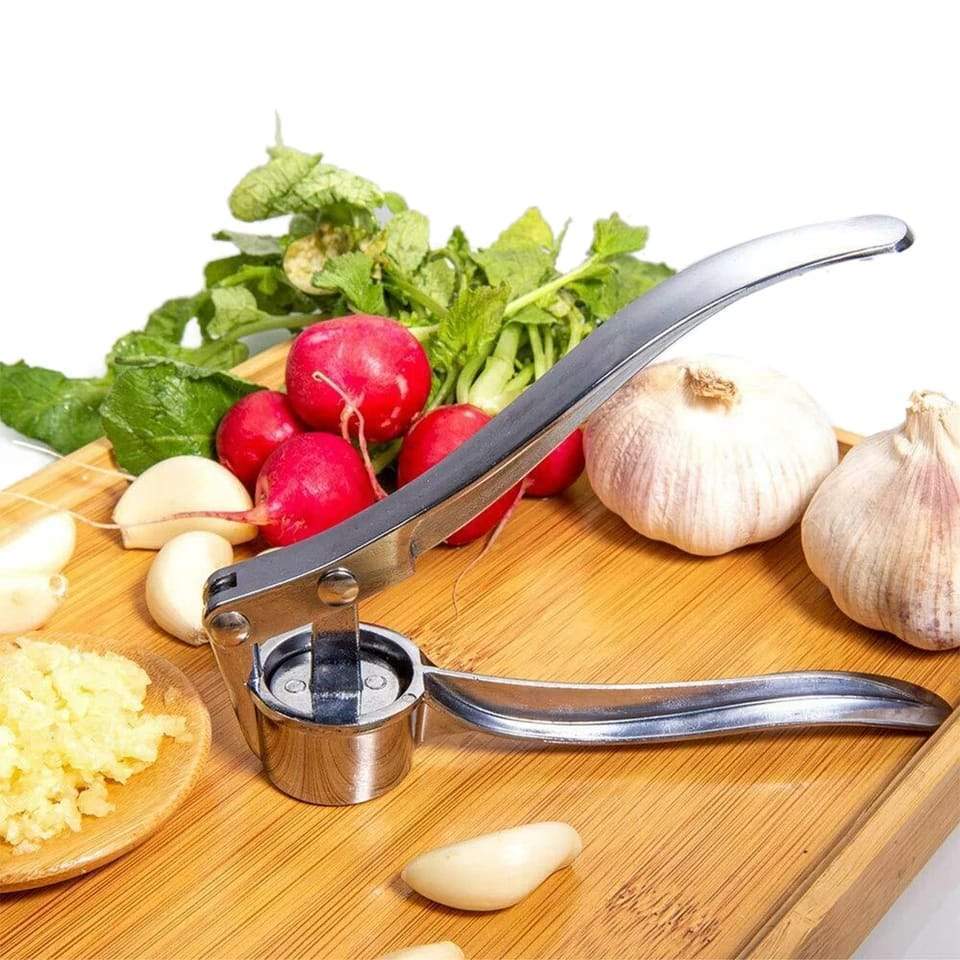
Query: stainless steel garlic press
[[334, 707]]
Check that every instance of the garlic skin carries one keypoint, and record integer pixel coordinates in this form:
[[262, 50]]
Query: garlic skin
[[883, 531], [709, 455]]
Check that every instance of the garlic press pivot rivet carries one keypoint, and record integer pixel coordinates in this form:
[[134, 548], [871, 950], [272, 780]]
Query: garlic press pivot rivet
[[338, 587], [229, 628], [339, 735]]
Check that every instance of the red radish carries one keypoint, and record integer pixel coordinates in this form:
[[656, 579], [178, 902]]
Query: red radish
[[438, 434], [375, 361], [559, 469], [307, 485], [251, 430]]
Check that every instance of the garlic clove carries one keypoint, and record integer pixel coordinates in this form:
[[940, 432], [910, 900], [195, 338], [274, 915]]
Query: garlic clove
[[175, 581], [443, 950], [29, 600], [184, 484], [495, 870], [883, 531], [709, 455], [44, 545]]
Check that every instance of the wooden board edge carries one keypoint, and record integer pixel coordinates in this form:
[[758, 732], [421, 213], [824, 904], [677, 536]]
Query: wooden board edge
[[873, 861]]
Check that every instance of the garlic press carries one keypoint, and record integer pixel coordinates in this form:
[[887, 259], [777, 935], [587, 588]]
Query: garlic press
[[334, 707]]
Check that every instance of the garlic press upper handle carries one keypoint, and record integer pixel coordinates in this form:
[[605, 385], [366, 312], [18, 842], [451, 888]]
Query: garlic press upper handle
[[275, 592]]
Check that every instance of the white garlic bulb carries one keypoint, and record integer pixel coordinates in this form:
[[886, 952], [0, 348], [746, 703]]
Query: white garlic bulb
[[709, 455], [883, 531]]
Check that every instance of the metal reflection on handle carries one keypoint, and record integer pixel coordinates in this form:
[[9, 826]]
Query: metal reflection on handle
[[593, 714]]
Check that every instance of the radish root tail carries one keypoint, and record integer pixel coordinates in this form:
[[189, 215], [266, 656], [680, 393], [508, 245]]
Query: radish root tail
[[350, 409], [491, 540], [106, 471], [54, 508]]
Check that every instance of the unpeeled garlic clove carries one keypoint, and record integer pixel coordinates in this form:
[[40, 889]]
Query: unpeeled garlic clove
[[709, 455], [43, 545], [495, 870], [176, 578], [185, 484], [443, 950], [883, 531], [29, 600]]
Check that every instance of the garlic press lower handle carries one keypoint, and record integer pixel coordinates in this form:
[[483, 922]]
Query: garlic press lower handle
[[278, 591], [571, 713]]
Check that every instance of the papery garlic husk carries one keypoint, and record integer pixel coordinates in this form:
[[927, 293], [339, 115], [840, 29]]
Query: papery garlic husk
[[709, 455], [883, 531]]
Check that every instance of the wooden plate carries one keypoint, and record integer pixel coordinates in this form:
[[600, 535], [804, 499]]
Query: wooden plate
[[143, 803]]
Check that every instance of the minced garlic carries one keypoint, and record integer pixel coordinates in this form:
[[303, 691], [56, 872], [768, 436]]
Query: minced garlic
[[69, 721]]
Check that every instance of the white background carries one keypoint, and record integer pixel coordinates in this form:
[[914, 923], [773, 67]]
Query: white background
[[126, 125]]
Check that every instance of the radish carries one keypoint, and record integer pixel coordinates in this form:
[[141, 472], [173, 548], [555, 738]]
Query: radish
[[559, 469], [252, 429], [438, 434], [308, 484], [375, 361]]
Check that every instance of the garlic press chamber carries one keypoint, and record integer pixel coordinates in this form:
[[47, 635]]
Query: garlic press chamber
[[334, 707]]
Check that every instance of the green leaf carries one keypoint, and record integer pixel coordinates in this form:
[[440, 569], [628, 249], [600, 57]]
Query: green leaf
[[530, 229], [623, 280], [612, 237], [534, 315], [523, 269], [47, 406], [232, 307], [170, 319], [266, 280], [459, 248], [408, 239], [471, 327], [252, 244], [522, 256], [216, 271], [325, 185], [263, 192], [351, 273], [394, 202], [163, 408], [436, 278], [215, 354]]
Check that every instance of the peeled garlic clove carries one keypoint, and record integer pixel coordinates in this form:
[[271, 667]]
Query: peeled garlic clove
[[709, 455], [176, 578], [43, 545], [184, 484], [883, 531], [29, 600], [496, 870], [444, 950]]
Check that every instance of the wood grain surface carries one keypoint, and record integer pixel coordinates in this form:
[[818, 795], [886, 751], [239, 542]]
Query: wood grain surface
[[772, 845], [144, 802]]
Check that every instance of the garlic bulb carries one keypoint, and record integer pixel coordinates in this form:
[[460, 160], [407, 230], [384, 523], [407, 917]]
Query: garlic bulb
[[709, 455], [883, 531]]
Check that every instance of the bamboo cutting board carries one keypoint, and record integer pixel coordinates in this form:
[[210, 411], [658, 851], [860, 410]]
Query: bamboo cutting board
[[766, 845]]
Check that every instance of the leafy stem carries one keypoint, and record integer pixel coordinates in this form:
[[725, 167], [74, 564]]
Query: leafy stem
[[589, 266], [400, 284]]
